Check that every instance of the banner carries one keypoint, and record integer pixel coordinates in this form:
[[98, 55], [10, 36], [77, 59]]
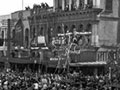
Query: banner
[[19, 33]]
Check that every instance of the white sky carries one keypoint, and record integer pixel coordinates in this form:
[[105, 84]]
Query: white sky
[[9, 6]]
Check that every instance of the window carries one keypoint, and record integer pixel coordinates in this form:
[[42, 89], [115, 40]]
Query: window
[[33, 32], [72, 28], [80, 28], [81, 4], [66, 5], [89, 28], [59, 29], [102, 56], [41, 31], [1, 42], [60, 4], [108, 5], [73, 6], [27, 37], [65, 29], [89, 4]]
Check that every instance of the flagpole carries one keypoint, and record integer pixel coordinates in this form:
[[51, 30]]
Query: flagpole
[[22, 4]]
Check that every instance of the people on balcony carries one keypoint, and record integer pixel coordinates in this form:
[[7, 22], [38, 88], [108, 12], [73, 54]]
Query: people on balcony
[[67, 8]]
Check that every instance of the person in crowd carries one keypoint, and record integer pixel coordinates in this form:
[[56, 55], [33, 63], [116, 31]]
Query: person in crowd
[[13, 80]]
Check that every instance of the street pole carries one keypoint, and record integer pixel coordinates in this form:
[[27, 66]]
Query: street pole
[[8, 45]]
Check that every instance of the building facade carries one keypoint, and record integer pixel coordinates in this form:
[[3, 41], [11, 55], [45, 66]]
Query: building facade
[[20, 31], [3, 34], [93, 27]]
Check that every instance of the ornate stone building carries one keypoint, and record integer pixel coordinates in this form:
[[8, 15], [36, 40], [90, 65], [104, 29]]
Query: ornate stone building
[[3, 34], [93, 23], [20, 19]]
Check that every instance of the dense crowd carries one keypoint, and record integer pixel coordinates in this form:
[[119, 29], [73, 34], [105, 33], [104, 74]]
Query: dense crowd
[[12, 80]]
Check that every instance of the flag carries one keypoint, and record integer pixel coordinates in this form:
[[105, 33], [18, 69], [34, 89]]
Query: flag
[[19, 33]]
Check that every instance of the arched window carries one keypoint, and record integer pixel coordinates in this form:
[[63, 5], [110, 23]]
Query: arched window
[[73, 6], [33, 32], [89, 4], [41, 31], [66, 5], [59, 29], [80, 29], [13, 33], [89, 28], [65, 29], [72, 28], [109, 5], [81, 4], [50, 34]]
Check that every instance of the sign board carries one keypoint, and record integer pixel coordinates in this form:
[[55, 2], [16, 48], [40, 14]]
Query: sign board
[[41, 39]]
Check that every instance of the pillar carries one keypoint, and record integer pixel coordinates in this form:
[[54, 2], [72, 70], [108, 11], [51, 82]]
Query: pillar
[[95, 37], [70, 3], [63, 5], [78, 3], [54, 6], [94, 3], [85, 3]]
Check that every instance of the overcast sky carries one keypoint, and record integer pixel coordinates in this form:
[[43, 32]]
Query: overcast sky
[[9, 6]]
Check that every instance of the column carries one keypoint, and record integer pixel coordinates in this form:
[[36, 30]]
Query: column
[[63, 5], [96, 3], [95, 37], [70, 2], [85, 3], [78, 3], [54, 6]]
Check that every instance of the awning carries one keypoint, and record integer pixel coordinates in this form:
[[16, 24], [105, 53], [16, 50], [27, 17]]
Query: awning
[[88, 63]]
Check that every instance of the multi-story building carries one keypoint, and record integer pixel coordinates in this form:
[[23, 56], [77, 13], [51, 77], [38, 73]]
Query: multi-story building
[[93, 23], [3, 34], [19, 39]]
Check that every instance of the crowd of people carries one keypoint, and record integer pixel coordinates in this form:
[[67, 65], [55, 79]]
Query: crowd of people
[[13, 80]]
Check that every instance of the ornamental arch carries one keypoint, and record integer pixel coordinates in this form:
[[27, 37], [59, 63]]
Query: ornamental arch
[[59, 29]]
